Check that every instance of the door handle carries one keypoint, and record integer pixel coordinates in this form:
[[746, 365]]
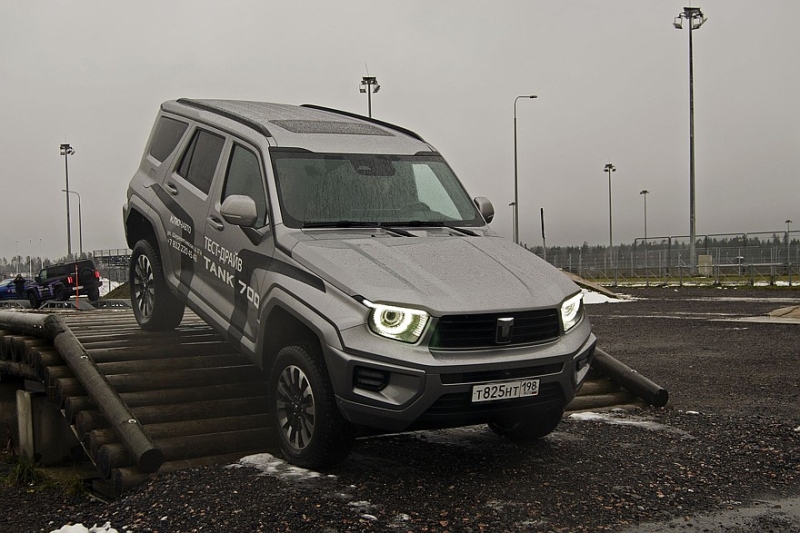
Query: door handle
[[172, 189], [216, 223]]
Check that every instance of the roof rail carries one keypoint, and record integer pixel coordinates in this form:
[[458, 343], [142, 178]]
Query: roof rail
[[367, 119], [227, 114]]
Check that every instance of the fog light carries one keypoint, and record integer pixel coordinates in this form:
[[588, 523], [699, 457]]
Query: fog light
[[370, 379]]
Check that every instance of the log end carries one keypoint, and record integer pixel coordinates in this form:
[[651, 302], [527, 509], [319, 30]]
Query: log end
[[660, 398], [150, 460]]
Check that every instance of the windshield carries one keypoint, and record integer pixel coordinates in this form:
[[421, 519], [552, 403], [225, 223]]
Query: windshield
[[355, 189]]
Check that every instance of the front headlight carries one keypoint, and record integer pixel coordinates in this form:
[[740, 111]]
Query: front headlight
[[396, 323], [571, 311]]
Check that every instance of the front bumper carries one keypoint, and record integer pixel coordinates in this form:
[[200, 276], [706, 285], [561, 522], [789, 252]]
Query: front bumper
[[394, 397]]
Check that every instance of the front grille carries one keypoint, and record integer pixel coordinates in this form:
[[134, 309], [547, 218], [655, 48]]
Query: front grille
[[465, 332]]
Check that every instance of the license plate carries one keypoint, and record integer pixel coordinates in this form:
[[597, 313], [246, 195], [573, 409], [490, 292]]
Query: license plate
[[505, 390]]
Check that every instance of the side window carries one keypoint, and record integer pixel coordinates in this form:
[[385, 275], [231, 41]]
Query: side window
[[168, 132], [200, 160], [244, 177]]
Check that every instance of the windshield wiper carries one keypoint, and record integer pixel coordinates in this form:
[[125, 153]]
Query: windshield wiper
[[431, 224], [354, 224]]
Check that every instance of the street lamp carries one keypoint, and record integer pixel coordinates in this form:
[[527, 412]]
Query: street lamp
[[644, 194], [66, 151], [80, 218], [610, 168], [516, 187], [369, 85], [696, 18]]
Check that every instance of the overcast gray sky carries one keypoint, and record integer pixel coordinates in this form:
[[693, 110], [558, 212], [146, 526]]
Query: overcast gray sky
[[611, 79]]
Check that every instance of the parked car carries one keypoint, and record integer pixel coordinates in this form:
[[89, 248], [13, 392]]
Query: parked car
[[63, 280], [343, 256], [8, 289]]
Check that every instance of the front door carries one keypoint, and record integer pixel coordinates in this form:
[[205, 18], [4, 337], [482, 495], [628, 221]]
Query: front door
[[235, 259]]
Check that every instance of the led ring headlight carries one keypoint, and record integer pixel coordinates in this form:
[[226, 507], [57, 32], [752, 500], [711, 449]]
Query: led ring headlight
[[571, 311], [397, 323]]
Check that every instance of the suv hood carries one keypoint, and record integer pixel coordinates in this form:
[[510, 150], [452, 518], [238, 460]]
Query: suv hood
[[443, 275]]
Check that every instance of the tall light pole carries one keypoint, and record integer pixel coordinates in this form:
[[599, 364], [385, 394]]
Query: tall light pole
[[80, 219], [696, 18], [66, 151], [369, 85], [516, 186], [644, 194], [513, 206], [609, 168]]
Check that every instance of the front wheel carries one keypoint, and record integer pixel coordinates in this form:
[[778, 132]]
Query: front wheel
[[154, 306], [527, 429], [311, 431]]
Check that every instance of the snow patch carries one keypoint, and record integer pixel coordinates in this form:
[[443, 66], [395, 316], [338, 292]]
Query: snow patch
[[80, 528], [269, 465], [591, 297], [628, 421]]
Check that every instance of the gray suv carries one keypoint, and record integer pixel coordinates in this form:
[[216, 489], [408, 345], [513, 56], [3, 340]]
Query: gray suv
[[343, 256]]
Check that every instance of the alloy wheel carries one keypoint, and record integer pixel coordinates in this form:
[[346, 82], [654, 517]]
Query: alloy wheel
[[143, 286], [296, 408]]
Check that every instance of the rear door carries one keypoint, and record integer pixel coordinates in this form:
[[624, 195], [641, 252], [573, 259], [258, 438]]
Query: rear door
[[185, 193]]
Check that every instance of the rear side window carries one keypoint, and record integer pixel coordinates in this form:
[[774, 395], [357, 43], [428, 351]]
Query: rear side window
[[244, 177], [200, 160], [168, 133]]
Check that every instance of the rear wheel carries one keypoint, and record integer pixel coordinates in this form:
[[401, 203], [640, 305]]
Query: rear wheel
[[33, 299], [527, 429], [60, 293], [311, 431], [94, 294], [154, 306]]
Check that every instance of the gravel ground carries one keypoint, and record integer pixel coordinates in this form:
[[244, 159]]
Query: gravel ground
[[728, 441]]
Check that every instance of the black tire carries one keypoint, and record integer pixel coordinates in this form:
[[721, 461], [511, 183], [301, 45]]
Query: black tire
[[60, 293], [94, 294], [311, 432], [527, 429], [154, 306], [33, 299]]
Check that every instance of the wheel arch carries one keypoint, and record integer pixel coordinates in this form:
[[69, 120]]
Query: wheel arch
[[138, 227], [283, 327]]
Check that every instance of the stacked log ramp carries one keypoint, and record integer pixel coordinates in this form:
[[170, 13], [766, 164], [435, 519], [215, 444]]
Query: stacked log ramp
[[159, 402], [142, 402]]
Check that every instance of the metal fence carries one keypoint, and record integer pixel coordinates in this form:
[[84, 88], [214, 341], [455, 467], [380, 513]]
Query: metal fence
[[113, 264], [666, 261]]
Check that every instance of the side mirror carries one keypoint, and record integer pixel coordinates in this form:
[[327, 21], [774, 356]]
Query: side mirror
[[240, 210], [485, 208]]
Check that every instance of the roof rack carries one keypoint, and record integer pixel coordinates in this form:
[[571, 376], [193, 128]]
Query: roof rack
[[227, 114], [367, 119]]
